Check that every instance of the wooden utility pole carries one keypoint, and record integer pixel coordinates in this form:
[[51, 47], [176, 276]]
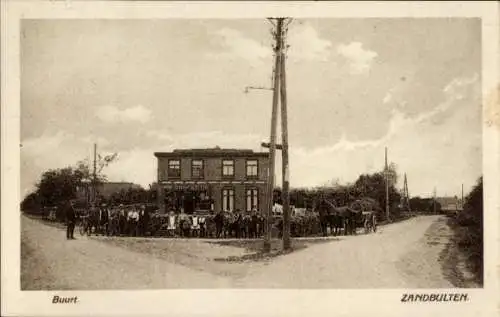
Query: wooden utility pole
[[272, 144], [94, 177], [387, 215], [284, 143], [406, 194], [434, 204], [462, 197]]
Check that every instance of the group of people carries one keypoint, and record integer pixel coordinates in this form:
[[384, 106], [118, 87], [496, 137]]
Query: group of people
[[109, 220], [214, 225], [134, 220]]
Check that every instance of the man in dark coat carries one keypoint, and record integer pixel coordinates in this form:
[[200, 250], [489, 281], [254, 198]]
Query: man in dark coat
[[70, 221], [219, 222], [143, 221]]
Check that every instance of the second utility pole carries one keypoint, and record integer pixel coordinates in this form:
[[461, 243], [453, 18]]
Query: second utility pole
[[387, 212], [94, 177], [272, 141], [284, 143]]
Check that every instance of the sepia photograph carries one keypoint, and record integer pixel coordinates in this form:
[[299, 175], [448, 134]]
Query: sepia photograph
[[274, 152], [146, 147]]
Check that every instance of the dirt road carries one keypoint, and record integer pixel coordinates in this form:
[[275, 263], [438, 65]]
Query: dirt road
[[402, 255], [49, 262]]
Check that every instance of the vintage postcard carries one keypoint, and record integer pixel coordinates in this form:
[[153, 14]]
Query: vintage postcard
[[260, 158]]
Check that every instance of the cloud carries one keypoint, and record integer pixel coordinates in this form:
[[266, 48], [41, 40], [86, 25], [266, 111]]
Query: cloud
[[388, 97], [112, 114], [456, 90], [236, 45], [306, 44], [137, 165], [415, 143], [359, 59], [49, 151]]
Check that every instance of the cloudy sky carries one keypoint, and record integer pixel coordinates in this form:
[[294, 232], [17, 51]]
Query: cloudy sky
[[355, 86]]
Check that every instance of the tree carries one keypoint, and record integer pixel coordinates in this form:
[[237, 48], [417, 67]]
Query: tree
[[373, 186], [420, 204], [31, 203], [470, 233], [56, 186], [85, 167]]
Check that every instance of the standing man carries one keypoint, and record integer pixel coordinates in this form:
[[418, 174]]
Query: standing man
[[122, 220], [130, 220], [135, 221], [219, 222], [70, 221], [143, 221]]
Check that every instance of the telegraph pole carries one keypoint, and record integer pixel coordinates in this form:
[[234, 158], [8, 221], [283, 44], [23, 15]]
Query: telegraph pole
[[284, 143], [387, 215], [272, 144], [462, 196], [406, 195], [434, 204], [94, 176]]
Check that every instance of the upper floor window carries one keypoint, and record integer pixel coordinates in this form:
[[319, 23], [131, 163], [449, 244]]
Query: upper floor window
[[197, 169], [252, 168], [174, 169], [228, 168]]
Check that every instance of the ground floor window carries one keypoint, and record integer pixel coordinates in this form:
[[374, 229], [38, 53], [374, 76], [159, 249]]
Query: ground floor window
[[228, 199], [189, 201], [252, 198]]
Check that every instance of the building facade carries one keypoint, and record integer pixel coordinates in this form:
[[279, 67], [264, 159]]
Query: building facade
[[212, 180]]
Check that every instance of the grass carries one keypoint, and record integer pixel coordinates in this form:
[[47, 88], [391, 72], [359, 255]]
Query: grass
[[255, 248], [463, 262]]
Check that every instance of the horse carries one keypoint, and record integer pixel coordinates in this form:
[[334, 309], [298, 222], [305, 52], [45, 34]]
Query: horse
[[332, 216], [344, 218], [324, 210]]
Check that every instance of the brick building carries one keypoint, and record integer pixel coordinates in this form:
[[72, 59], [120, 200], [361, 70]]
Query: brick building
[[212, 179]]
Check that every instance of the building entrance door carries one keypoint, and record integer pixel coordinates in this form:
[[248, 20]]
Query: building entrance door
[[189, 202]]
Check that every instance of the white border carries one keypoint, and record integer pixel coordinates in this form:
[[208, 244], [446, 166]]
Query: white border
[[237, 302]]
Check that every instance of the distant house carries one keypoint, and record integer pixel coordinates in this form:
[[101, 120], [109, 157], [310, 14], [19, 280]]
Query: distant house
[[108, 188], [449, 204]]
